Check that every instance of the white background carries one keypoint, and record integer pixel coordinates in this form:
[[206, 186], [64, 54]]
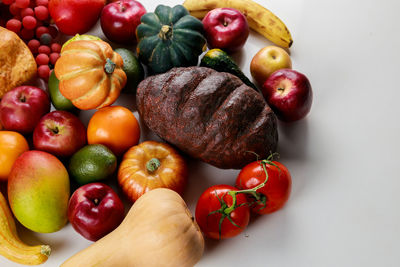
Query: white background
[[344, 208]]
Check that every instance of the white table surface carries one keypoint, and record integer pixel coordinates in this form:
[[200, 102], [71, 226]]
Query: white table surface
[[344, 207]]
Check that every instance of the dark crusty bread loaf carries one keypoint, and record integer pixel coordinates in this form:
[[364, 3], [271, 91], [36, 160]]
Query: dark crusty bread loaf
[[212, 116]]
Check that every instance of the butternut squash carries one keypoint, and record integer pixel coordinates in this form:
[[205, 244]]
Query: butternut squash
[[158, 231], [11, 246]]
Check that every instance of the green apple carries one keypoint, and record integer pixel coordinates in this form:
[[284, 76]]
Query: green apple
[[268, 60]]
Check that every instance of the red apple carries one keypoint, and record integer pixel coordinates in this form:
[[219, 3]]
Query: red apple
[[289, 94], [75, 16], [120, 19], [94, 210], [226, 28], [60, 133], [22, 108]]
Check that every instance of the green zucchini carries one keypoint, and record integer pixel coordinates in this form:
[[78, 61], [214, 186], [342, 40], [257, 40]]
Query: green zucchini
[[220, 61]]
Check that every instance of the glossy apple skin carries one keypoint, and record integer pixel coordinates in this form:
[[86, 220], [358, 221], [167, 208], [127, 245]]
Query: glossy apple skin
[[289, 94], [75, 16], [22, 108], [60, 133], [95, 210], [119, 20], [268, 60], [226, 28]]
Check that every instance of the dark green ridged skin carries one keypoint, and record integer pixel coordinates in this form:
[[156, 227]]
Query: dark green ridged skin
[[181, 47]]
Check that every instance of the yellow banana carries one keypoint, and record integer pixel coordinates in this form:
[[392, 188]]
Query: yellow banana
[[259, 18], [11, 246]]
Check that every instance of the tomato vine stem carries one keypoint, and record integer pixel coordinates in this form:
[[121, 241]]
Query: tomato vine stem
[[226, 209], [251, 191]]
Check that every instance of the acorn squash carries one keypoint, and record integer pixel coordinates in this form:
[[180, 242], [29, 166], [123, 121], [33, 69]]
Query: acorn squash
[[169, 37]]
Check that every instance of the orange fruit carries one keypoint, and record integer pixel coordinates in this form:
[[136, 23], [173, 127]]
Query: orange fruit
[[115, 127], [12, 144]]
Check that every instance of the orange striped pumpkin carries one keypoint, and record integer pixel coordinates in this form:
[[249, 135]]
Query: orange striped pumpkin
[[90, 74]]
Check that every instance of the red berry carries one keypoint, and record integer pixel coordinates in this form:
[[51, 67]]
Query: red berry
[[53, 31], [44, 49], [44, 71], [42, 3], [18, 17], [22, 3], [54, 57], [41, 30], [56, 48], [8, 2], [14, 10], [42, 59], [14, 25], [29, 22], [27, 34], [41, 12], [27, 12], [33, 45]]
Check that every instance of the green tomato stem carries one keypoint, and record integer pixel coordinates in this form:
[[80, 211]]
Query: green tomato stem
[[226, 210], [251, 191]]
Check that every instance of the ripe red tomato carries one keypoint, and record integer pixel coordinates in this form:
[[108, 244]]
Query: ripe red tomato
[[275, 192], [216, 216]]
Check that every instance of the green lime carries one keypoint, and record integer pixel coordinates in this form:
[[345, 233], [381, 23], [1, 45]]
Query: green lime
[[58, 100], [92, 163], [133, 69]]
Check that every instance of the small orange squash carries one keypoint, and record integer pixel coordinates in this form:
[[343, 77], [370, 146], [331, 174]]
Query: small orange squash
[[151, 165], [90, 74]]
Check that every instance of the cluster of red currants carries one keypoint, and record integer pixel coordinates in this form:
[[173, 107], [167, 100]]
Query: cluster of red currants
[[32, 22]]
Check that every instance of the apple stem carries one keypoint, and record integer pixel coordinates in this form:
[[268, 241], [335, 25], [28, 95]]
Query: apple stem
[[22, 99], [123, 8], [281, 89], [96, 201], [55, 130], [153, 164]]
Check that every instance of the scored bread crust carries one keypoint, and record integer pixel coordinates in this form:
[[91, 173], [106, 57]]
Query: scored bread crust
[[212, 116], [17, 64]]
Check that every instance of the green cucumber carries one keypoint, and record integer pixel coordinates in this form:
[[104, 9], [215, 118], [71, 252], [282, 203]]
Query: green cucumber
[[220, 61]]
